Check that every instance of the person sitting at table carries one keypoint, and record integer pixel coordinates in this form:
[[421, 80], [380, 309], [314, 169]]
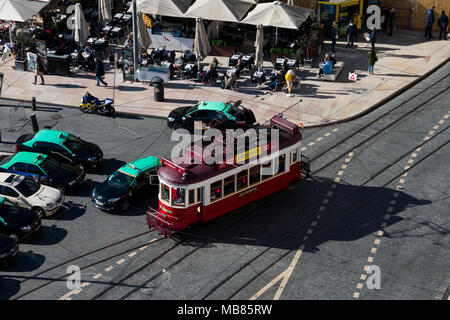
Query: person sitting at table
[[146, 59], [215, 63], [228, 82], [326, 67], [129, 41], [210, 74], [170, 59], [278, 79]]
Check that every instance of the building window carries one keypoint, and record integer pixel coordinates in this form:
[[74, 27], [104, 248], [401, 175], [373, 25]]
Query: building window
[[266, 170], [216, 190], [242, 180], [255, 174], [165, 193], [228, 185], [191, 196], [178, 195], [281, 164]]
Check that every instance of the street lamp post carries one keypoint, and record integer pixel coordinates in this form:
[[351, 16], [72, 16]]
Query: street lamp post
[[135, 41]]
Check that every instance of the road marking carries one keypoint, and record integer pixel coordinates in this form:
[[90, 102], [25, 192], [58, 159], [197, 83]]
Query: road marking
[[286, 274], [98, 275], [132, 254], [143, 248], [384, 224], [85, 284], [335, 129], [311, 144], [327, 134], [319, 139], [109, 268], [363, 277], [120, 261]]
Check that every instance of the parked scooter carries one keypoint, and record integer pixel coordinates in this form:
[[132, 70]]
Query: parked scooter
[[93, 104]]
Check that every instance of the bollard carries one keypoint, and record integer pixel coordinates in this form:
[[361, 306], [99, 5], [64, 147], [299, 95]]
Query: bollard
[[33, 104], [34, 122]]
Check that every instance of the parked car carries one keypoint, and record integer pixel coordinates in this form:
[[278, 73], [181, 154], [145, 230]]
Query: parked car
[[131, 180], [17, 220], [62, 146], [43, 169], [27, 193], [230, 115], [9, 248]]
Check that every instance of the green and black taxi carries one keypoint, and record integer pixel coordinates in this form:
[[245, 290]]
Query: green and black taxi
[[43, 169], [15, 220], [228, 114], [62, 146], [133, 179]]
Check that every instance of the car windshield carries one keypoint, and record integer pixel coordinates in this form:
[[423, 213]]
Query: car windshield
[[5, 160], [8, 209], [234, 111], [28, 187], [121, 180], [73, 143], [192, 109], [50, 165]]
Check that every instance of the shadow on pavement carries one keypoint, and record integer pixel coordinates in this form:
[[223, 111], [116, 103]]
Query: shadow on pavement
[[10, 287], [47, 236], [25, 262]]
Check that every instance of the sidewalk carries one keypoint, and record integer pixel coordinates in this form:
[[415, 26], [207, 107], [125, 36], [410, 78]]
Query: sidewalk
[[403, 58]]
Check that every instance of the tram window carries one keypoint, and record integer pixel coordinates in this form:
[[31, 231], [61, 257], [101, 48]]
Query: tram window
[[165, 193], [294, 156], [199, 194], [178, 197], [191, 196], [281, 163], [228, 185], [255, 174], [242, 180], [216, 190], [266, 168]]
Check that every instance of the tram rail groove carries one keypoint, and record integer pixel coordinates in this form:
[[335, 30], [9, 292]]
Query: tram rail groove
[[338, 218], [310, 220], [290, 188]]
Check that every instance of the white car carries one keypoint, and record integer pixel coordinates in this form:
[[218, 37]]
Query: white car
[[27, 193]]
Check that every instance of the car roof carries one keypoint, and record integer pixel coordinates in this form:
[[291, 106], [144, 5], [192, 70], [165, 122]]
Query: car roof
[[212, 105], [137, 166], [52, 136], [28, 157], [10, 178]]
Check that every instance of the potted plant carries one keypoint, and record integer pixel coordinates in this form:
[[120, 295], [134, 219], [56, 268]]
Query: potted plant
[[224, 48], [22, 41]]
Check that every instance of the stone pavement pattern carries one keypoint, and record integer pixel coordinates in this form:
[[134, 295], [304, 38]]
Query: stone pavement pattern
[[403, 58]]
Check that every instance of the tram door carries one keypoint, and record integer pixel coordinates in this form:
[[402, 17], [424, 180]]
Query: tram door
[[200, 199]]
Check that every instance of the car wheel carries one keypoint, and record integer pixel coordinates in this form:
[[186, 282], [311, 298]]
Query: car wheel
[[125, 205], [39, 211]]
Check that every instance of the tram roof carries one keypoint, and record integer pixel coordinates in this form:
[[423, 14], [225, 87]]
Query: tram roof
[[201, 172]]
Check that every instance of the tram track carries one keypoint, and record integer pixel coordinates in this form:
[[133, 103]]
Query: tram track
[[329, 163]]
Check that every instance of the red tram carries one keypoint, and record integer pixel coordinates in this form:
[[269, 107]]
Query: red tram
[[190, 194]]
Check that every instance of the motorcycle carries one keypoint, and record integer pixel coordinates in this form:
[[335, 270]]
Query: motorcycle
[[93, 104]]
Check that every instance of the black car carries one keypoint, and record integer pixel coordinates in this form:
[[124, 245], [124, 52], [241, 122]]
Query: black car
[[135, 178], [44, 169], [62, 146], [8, 249], [226, 115], [15, 220]]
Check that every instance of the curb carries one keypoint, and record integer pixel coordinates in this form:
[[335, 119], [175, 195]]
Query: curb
[[362, 113]]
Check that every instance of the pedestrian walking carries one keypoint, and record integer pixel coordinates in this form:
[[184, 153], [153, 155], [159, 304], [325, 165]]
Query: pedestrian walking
[[429, 20], [373, 37], [372, 59], [350, 31], [39, 70], [384, 18], [391, 22], [334, 36], [99, 71], [443, 24]]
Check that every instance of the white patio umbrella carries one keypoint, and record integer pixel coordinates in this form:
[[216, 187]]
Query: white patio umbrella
[[20, 10], [143, 36], [170, 8], [81, 30], [104, 10], [201, 42], [277, 14], [220, 10], [259, 43]]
